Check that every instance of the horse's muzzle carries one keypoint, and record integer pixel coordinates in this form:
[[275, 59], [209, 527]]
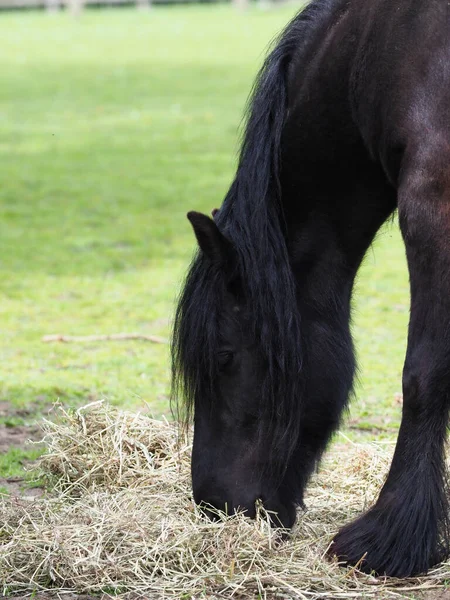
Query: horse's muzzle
[[215, 508]]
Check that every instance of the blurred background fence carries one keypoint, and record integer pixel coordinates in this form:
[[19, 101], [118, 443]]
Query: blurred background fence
[[76, 6]]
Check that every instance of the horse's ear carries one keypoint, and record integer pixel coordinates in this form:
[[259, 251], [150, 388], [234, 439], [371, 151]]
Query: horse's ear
[[211, 241]]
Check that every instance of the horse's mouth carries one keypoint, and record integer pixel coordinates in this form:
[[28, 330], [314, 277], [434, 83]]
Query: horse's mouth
[[279, 516]]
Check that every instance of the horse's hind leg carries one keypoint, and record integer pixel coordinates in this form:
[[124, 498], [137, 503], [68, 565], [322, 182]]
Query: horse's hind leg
[[406, 532]]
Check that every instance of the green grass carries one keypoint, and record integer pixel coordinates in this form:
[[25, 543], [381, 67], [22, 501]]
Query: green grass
[[111, 128], [13, 459]]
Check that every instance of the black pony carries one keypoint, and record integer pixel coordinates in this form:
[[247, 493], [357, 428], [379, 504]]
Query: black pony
[[349, 120]]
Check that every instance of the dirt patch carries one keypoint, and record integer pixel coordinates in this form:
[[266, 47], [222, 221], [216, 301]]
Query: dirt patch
[[19, 436], [5, 408], [15, 487], [32, 409]]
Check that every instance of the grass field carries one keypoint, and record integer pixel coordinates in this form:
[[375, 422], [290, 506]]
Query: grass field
[[111, 128]]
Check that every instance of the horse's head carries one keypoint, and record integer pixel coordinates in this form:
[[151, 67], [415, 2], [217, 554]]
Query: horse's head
[[228, 380]]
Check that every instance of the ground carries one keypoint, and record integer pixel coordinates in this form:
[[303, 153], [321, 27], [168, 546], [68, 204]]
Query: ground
[[112, 127], [431, 595]]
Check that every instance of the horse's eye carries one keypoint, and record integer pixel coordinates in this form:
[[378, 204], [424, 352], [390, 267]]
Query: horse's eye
[[224, 358]]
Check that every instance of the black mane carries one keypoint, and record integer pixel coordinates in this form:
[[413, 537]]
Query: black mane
[[251, 217]]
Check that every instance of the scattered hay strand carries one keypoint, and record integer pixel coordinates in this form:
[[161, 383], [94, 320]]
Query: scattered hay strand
[[120, 519]]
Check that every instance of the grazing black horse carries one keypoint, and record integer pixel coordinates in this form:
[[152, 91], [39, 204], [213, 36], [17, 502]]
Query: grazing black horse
[[349, 120]]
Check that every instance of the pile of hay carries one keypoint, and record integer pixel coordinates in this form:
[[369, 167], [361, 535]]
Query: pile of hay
[[120, 519]]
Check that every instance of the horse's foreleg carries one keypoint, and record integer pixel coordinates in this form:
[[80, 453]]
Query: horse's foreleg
[[406, 532], [330, 367]]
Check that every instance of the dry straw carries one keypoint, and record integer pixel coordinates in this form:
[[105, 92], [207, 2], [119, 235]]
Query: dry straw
[[119, 519]]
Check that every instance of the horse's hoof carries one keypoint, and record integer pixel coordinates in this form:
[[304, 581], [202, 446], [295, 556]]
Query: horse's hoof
[[376, 543]]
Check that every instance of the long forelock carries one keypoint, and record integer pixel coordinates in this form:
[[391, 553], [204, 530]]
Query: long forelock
[[196, 338], [269, 291]]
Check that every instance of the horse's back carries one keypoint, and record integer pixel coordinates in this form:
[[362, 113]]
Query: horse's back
[[401, 73], [376, 71]]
